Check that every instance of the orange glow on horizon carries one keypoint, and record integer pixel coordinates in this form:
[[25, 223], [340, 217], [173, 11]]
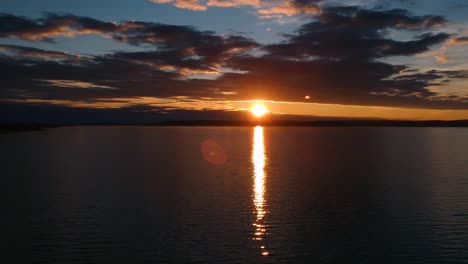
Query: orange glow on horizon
[[277, 107], [353, 111]]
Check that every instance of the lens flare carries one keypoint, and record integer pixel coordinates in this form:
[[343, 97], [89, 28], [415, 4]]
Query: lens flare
[[213, 152]]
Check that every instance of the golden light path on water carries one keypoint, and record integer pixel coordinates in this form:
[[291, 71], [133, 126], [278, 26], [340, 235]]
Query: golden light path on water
[[259, 160]]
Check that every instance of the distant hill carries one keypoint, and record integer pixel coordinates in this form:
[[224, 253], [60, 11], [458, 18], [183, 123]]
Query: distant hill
[[17, 127]]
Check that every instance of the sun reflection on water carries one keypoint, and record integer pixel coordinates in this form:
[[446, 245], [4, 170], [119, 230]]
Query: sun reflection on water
[[259, 160]]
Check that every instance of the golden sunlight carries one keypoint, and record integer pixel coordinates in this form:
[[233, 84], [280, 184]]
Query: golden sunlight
[[258, 110], [259, 160]]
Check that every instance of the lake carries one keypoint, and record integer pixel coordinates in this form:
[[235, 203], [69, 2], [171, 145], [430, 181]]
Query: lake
[[235, 195]]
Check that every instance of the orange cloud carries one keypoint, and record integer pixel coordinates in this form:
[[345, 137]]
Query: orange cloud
[[459, 41], [265, 8], [442, 55], [193, 5], [233, 3], [291, 8], [442, 58], [76, 84]]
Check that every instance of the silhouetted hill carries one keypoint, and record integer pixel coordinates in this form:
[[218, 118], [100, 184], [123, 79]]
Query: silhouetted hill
[[13, 128]]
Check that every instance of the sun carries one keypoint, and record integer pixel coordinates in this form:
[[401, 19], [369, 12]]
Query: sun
[[258, 110]]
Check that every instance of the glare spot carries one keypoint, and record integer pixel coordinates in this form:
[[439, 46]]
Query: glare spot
[[258, 110]]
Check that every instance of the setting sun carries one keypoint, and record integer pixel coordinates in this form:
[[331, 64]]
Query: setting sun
[[258, 110]]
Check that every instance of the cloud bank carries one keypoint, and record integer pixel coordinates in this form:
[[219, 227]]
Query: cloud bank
[[336, 57], [263, 8]]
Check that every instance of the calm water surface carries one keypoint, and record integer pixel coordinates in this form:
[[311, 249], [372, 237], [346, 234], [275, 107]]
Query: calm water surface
[[235, 195]]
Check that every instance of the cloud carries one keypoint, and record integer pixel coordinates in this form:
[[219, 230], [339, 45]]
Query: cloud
[[234, 3], [190, 4], [292, 8], [162, 36], [441, 55], [459, 41], [335, 57], [197, 5], [264, 8], [193, 5], [50, 26], [14, 50], [184, 50], [76, 84], [354, 33], [161, 1], [181, 49]]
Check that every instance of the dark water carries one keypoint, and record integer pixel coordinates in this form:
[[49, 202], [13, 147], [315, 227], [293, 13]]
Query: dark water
[[234, 195]]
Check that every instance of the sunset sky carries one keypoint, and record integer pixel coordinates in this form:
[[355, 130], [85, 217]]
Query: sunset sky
[[144, 61]]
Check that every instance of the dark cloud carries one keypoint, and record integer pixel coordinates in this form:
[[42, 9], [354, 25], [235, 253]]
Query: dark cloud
[[52, 25], [458, 74], [343, 82], [192, 50], [177, 52], [24, 79], [21, 51], [354, 33], [180, 48], [387, 4], [162, 36], [335, 59]]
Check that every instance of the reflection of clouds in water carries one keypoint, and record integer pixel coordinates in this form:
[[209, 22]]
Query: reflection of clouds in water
[[258, 160]]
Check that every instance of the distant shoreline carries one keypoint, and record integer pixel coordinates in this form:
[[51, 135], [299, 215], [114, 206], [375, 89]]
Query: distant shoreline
[[17, 127]]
